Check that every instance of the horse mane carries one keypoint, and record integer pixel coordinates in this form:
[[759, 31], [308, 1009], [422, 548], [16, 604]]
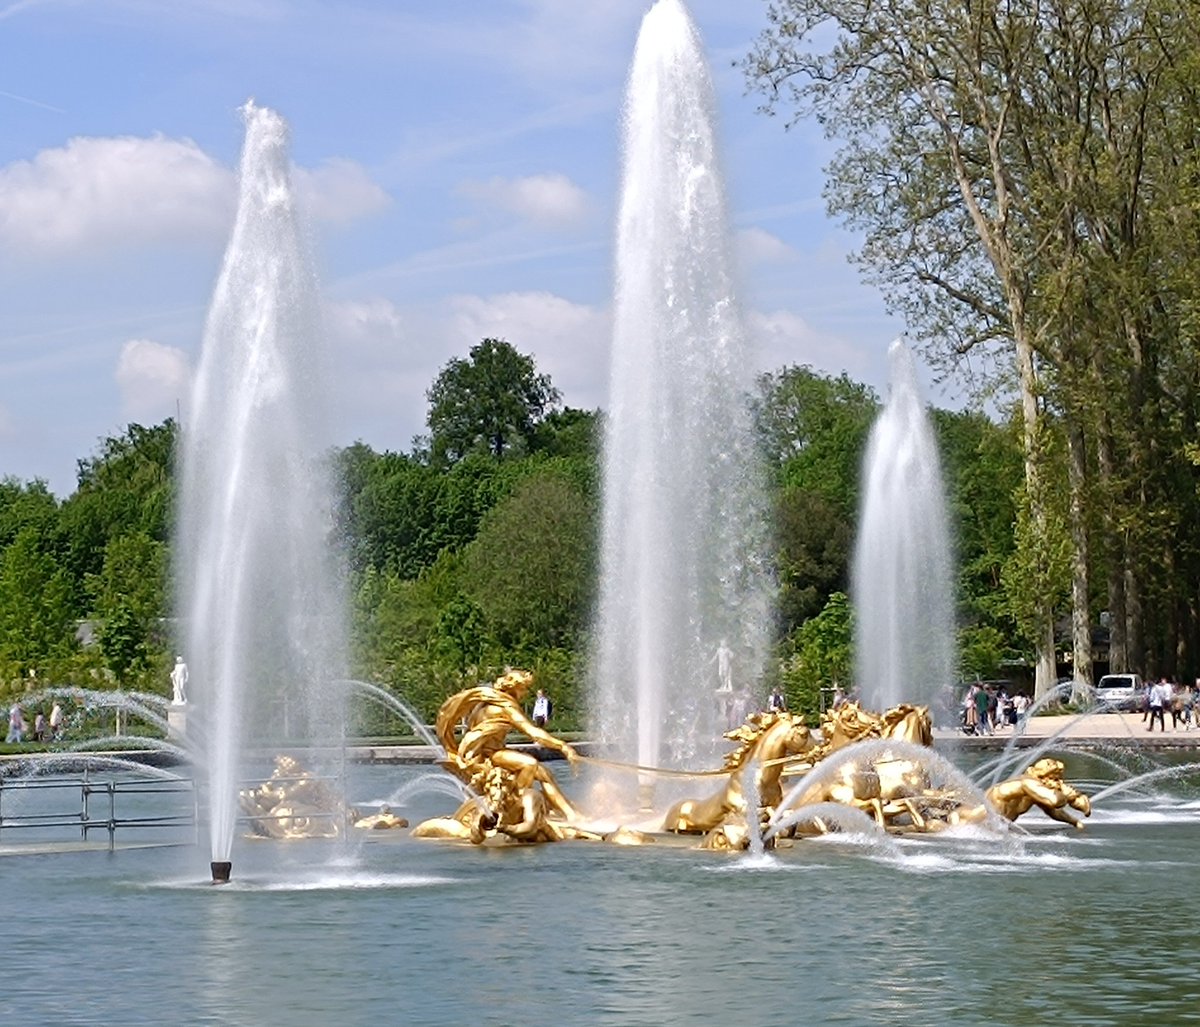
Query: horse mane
[[748, 735]]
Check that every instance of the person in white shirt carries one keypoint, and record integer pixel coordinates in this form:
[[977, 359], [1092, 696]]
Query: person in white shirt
[[1160, 699], [541, 709]]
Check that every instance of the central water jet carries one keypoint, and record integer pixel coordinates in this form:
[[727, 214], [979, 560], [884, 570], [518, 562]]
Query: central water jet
[[684, 598], [259, 585]]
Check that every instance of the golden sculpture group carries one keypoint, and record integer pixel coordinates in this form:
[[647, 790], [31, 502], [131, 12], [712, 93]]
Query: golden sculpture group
[[514, 798], [294, 803]]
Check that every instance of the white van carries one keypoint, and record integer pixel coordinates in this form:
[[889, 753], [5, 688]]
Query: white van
[[1119, 691]]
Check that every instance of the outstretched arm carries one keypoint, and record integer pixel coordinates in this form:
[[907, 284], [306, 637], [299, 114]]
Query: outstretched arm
[[526, 726]]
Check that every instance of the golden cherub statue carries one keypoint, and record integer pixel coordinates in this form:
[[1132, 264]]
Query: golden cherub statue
[[1042, 786]]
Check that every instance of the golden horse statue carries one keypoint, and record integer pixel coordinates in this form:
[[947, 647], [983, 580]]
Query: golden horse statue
[[770, 739]]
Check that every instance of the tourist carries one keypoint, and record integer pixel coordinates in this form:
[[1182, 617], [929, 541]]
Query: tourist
[[1020, 708], [16, 723], [39, 727], [1176, 707], [1004, 708], [970, 711], [1158, 700], [839, 696], [56, 722], [541, 709], [776, 703], [983, 706]]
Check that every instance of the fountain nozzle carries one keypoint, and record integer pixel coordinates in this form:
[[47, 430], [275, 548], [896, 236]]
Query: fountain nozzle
[[220, 871]]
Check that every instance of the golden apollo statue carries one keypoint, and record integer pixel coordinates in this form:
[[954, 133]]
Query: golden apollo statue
[[514, 795]]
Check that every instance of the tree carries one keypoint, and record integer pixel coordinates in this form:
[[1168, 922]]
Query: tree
[[129, 596], [127, 486], [821, 655], [991, 154], [531, 569], [814, 541], [492, 402], [814, 430], [37, 618]]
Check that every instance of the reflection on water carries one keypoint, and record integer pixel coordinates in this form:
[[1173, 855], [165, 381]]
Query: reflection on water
[[1091, 927]]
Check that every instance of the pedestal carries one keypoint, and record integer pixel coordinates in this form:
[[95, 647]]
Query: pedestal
[[177, 714]]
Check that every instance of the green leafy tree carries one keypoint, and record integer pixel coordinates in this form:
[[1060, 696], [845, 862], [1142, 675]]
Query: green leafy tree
[[37, 615], [129, 598], [531, 568], [818, 656], [814, 430], [815, 539], [127, 486], [491, 402]]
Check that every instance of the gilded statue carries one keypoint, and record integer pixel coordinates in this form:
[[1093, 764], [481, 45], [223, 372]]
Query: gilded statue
[[1041, 786], [513, 793], [513, 798], [292, 803], [770, 739], [384, 820]]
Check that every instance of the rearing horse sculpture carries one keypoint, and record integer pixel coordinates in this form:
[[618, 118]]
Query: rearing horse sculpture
[[769, 738]]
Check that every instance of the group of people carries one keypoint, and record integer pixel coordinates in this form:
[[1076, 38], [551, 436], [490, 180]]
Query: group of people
[[986, 709], [44, 730], [1163, 696]]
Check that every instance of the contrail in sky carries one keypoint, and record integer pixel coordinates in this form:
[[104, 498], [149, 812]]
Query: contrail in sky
[[32, 103]]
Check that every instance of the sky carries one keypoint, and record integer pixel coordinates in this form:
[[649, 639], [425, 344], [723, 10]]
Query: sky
[[459, 167]]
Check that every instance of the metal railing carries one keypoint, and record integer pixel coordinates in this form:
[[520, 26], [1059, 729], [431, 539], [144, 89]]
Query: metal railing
[[87, 818]]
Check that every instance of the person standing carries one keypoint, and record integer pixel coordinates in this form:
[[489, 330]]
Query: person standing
[[983, 705], [776, 703], [56, 722], [970, 712], [1160, 696], [541, 709], [16, 723]]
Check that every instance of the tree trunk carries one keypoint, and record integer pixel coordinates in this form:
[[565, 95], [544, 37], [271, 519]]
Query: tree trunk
[[1045, 669], [1081, 621], [1118, 646]]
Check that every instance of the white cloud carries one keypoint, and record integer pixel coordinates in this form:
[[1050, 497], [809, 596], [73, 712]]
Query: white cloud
[[549, 200], [569, 341], [339, 191], [757, 247], [783, 337], [98, 194], [102, 192], [386, 356], [152, 378]]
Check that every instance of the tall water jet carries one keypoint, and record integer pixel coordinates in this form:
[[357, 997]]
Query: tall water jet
[[903, 586], [683, 582], [259, 588]]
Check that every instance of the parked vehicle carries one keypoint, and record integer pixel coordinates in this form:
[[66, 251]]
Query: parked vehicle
[[1119, 692]]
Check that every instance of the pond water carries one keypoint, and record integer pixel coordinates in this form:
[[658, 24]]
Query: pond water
[[1092, 927]]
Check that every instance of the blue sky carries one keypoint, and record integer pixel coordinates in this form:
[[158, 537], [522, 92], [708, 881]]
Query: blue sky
[[459, 163]]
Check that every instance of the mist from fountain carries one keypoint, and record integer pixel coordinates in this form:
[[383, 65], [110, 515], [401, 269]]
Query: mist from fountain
[[259, 585], [683, 536], [902, 578]]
